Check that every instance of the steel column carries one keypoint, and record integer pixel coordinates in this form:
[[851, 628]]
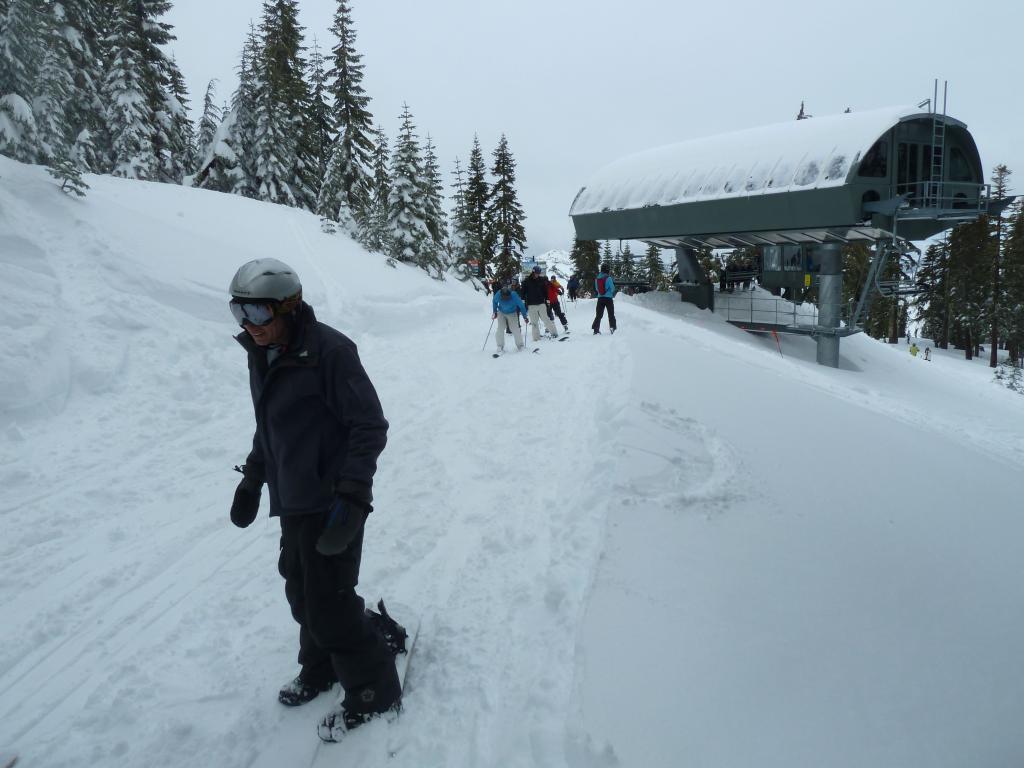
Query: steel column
[[693, 285], [687, 266], [830, 301]]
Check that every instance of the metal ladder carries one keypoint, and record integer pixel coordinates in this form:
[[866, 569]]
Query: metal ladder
[[934, 194]]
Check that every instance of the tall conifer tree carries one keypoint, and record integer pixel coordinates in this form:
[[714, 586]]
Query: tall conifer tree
[[627, 264], [475, 199], [163, 88], [274, 148], [504, 213], [970, 258], [54, 88], [180, 151], [654, 268], [933, 309], [376, 237], [465, 243], [229, 162], [1014, 282], [130, 121], [433, 203], [283, 164], [406, 214], [351, 119], [84, 29], [319, 113], [208, 123], [998, 231], [586, 260], [21, 38], [251, 78]]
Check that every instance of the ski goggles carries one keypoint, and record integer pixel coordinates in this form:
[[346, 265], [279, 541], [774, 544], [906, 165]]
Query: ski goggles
[[253, 312]]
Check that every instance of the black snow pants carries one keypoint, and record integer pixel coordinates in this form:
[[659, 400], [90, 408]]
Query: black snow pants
[[336, 640], [603, 303], [555, 309]]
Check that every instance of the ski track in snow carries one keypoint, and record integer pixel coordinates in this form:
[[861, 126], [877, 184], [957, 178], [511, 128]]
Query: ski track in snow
[[509, 515]]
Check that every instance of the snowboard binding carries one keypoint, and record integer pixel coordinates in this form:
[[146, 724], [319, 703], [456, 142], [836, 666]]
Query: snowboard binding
[[394, 633]]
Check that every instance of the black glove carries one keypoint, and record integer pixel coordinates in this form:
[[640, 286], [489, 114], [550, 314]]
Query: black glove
[[344, 521], [246, 504]]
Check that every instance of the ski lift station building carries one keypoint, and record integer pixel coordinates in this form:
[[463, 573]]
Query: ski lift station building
[[803, 187]]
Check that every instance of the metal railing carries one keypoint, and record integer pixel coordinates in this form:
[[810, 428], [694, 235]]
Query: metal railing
[[925, 198], [745, 307]]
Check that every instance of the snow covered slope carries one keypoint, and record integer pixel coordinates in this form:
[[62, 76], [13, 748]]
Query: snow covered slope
[[671, 546]]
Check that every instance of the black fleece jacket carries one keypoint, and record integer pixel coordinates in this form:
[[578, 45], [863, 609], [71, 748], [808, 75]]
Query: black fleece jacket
[[319, 423], [535, 290]]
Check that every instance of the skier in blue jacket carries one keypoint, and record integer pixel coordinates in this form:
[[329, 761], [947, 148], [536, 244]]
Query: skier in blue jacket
[[505, 305], [604, 289]]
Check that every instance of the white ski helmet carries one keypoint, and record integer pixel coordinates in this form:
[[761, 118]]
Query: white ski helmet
[[267, 279]]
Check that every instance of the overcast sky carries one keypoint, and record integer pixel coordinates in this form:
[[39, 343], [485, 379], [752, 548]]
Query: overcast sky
[[576, 84]]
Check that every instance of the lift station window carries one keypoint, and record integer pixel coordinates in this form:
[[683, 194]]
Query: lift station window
[[792, 258], [782, 258], [876, 162], [959, 168]]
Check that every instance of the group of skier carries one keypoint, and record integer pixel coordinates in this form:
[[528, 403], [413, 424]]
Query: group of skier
[[539, 302]]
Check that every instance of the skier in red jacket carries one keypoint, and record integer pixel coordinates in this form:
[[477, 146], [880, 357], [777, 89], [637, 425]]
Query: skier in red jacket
[[554, 307]]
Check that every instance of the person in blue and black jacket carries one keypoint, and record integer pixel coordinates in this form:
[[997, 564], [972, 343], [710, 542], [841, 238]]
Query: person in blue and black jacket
[[506, 305], [604, 289]]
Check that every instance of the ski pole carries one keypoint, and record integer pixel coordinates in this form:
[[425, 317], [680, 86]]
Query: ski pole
[[488, 335]]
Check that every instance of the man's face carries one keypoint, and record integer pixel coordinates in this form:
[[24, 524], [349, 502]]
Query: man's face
[[275, 332]]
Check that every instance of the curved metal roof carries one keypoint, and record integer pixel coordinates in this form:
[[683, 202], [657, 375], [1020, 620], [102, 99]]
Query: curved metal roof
[[797, 155]]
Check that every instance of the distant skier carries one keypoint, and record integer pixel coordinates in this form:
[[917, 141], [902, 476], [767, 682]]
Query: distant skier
[[535, 294], [573, 286], [604, 288], [554, 306], [506, 307], [319, 431]]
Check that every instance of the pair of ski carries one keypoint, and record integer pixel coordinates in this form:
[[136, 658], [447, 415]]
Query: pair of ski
[[535, 350]]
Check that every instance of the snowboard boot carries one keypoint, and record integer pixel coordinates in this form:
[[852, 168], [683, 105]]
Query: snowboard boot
[[339, 721], [301, 690], [362, 705]]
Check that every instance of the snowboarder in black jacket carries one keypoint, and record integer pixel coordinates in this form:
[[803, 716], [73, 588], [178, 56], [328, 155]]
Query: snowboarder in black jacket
[[319, 431]]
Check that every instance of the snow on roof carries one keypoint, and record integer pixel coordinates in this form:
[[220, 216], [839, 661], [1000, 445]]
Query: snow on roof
[[798, 154]]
